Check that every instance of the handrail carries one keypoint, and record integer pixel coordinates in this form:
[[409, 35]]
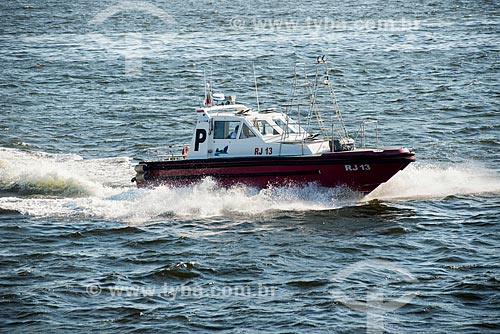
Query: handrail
[[362, 132], [166, 152]]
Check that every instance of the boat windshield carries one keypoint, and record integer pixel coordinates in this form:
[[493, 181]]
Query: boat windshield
[[246, 132], [226, 129], [288, 125], [266, 129]]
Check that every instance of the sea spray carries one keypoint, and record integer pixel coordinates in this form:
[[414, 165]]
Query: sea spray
[[42, 174], [425, 180], [41, 184]]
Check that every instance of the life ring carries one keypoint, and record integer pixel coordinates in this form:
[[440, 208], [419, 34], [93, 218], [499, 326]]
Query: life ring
[[185, 150]]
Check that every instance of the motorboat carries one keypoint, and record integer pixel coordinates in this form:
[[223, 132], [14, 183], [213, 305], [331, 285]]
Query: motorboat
[[288, 144]]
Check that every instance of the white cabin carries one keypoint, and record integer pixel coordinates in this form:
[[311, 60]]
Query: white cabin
[[234, 130]]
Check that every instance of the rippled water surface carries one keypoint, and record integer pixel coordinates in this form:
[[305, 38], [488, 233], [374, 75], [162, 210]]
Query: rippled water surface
[[86, 87]]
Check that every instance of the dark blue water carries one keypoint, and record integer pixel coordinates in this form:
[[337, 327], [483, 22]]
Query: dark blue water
[[86, 87]]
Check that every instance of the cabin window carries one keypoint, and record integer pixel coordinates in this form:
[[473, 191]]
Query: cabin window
[[287, 128], [265, 128], [246, 132], [226, 129]]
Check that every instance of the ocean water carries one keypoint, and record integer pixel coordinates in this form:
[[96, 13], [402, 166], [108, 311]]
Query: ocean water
[[86, 87]]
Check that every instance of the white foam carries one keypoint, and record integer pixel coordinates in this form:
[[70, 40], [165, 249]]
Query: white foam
[[41, 184], [207, 199], [428, 181], [38, 173]]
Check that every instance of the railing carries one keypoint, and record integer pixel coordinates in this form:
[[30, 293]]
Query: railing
[[170, 152], [362, 132]]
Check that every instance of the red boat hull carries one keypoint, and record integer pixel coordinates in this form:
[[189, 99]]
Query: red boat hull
[[359, 170]]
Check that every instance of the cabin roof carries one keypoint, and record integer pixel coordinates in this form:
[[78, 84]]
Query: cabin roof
[[240, 111], [224, 108]]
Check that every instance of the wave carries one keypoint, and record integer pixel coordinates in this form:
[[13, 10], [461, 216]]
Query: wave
[[428, 181], [207, 199], [203, 200], [27, 173], [42, 184]]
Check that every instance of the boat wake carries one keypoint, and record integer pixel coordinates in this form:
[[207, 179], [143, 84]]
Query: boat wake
[[28, 173], [50, 185]]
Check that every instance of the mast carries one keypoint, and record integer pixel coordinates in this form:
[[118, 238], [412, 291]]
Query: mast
[[208, 102], [308, 96], [256, 89]]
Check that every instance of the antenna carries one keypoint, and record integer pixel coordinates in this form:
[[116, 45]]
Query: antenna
[[256, 89], [211, 88], [205, 85]]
